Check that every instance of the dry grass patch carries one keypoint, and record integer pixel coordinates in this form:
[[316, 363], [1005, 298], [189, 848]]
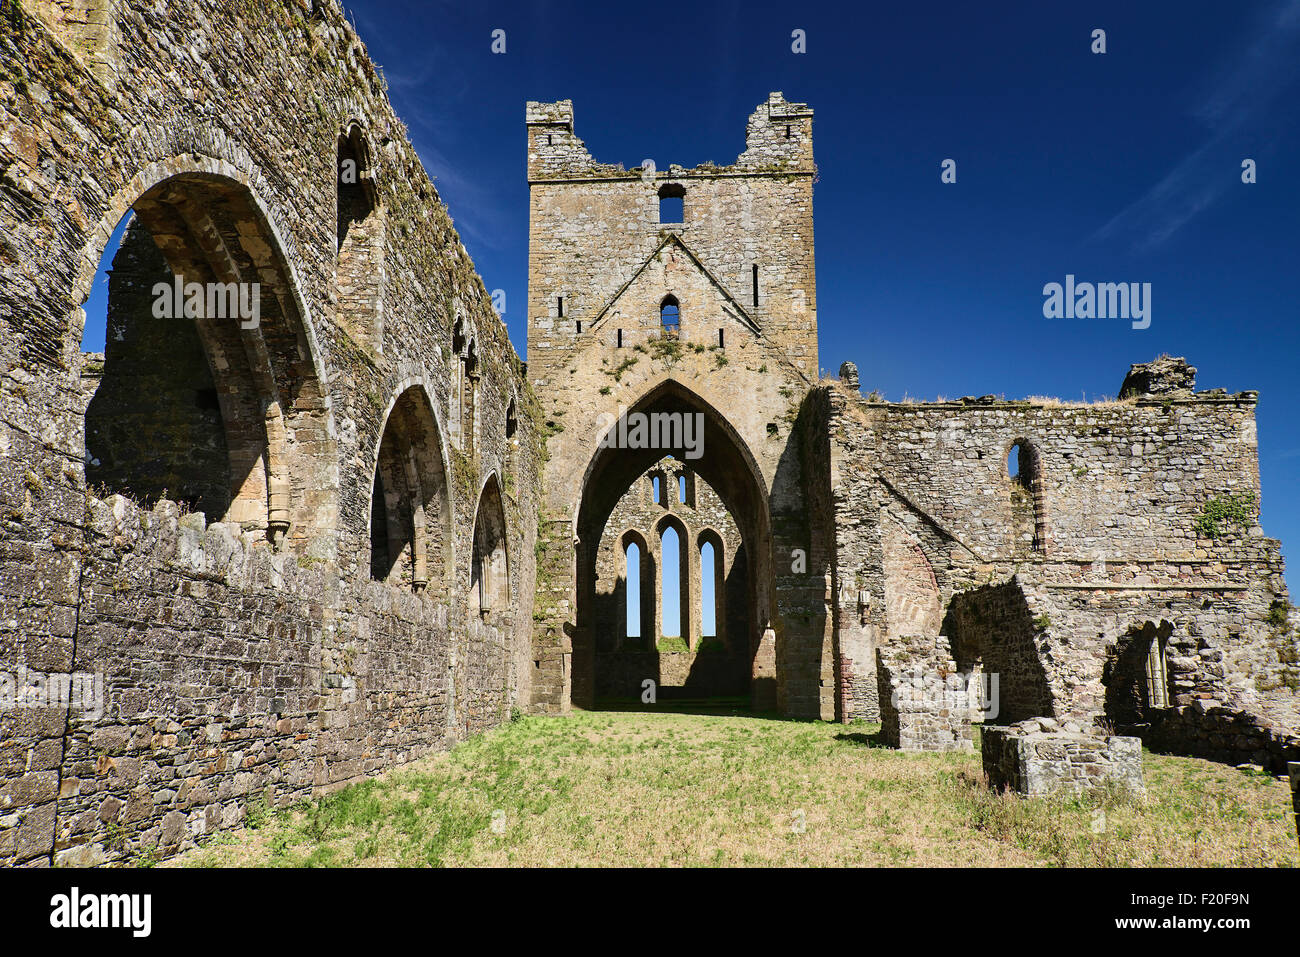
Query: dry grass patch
[[637, 789]]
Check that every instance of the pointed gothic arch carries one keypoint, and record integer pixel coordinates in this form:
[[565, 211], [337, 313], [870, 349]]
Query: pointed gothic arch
[[201, 269], [729, 467]]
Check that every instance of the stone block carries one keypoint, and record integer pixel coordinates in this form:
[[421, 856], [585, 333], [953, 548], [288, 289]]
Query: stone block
[[1035, 762]]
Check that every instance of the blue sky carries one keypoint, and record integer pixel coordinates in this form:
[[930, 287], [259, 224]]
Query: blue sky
[[1124, 166]]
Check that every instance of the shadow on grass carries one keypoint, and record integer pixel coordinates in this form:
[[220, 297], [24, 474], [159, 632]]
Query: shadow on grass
[[725, 707], [873, 740]]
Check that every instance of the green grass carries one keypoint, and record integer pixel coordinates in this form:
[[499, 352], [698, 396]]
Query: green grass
[[678, 789]]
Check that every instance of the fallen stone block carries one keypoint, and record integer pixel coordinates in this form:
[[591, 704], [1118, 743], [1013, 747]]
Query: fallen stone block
[[1030, 759]]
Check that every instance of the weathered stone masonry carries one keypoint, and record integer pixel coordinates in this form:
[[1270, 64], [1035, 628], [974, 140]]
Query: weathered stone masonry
[[738, 270], [308, 548], [211, 546], [1067, 581]]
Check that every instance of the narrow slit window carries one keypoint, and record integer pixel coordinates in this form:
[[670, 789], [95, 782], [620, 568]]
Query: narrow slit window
[[619, 339], [632, 576], [754, 282], [669, 317], [670, 583], [708, 596], [722, 342], [559, 305]]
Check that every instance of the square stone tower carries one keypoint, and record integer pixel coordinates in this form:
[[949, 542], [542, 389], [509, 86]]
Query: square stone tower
[[677, 292], [740, 259]]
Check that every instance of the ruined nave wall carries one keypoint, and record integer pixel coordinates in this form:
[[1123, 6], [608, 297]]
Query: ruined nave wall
[[229, 117]]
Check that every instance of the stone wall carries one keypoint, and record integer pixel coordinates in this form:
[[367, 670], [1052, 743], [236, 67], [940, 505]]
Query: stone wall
[[1057, 579], [922, 706], [692, 663], [236, 676], [226, 678], [1208, 729]]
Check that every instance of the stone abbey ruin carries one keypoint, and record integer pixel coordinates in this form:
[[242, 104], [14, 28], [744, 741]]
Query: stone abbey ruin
[[301, 550]]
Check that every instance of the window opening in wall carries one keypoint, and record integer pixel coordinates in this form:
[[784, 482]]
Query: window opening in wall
[[620, 339], [721, 341], [669, 317], [559, 305], [708, 598], [355, 202], [1024, 468], [379, 563], [1157, 674], [672, 203], [654, 484], [670, 563], [753, 277], [632, 575]]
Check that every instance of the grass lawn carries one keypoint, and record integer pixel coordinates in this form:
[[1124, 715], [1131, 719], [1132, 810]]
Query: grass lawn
[[637, 789]]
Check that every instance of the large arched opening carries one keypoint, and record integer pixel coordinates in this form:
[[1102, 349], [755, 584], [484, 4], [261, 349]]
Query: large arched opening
[[207, 383], [653, 439]]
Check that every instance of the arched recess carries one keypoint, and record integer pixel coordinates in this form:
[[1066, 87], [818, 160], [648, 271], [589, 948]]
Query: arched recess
[[912, 601], [359, 270], [489, 591], [1136, 675], [410, 510], [201, 272], [729, 467]]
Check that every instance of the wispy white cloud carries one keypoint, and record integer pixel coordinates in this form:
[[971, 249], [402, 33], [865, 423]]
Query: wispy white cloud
[[480, 216], [1242, 92], [430, 92]]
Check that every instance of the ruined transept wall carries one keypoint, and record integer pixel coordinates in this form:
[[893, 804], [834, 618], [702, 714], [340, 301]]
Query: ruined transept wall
[[1047, 579]]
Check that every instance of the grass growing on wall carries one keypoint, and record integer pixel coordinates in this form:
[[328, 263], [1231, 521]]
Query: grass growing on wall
[[633, 789]]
